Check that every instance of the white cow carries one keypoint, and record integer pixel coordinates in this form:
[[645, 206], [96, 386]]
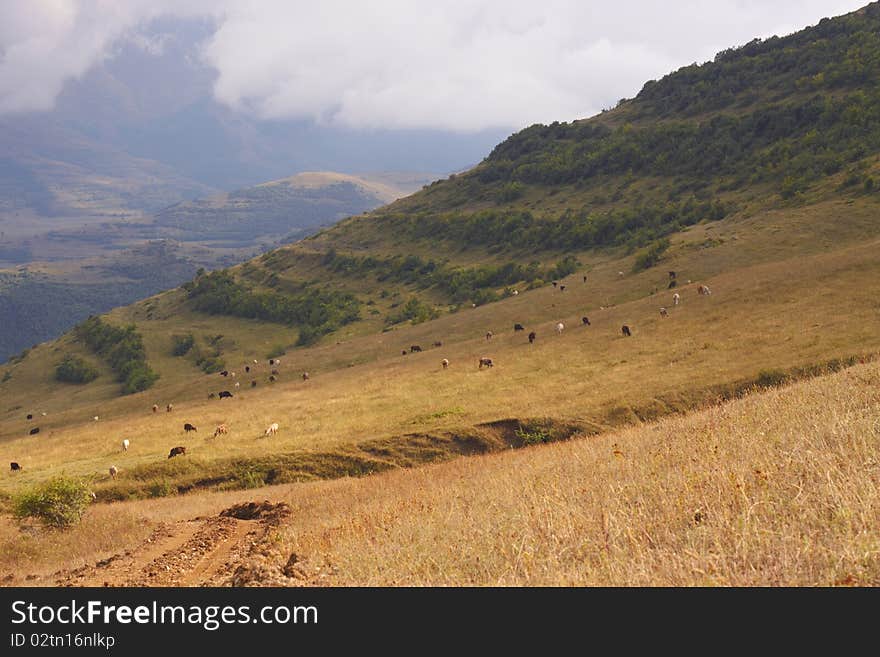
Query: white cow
[[676, 298], [125, 445], [559, 328]]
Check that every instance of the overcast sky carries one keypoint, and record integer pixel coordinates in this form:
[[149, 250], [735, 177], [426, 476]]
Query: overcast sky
[[447, 64]]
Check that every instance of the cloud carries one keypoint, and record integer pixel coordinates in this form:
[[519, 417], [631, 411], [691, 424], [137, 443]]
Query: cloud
[[460, 65]]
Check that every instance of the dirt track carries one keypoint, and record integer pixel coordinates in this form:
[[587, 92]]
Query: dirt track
[[204, 551]]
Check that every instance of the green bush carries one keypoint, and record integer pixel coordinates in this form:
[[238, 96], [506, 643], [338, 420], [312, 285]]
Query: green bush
[[181, 344], [276, 351], [122, 348], [59, 502], [74, 369], [650, 256]]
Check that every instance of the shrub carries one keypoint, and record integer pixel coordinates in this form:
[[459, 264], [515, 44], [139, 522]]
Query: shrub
[[59, 502], [181, 344], [650, 256], [75, 370], [771, 378], [277, 350]]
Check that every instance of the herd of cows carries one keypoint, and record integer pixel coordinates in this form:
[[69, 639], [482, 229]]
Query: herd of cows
[[274, 364]]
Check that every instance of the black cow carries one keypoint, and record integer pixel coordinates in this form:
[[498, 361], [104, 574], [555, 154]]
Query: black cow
[[224, 373], [225, 393], [554, 283], [671, 285], [34, 431], [562, 288], [404, 352], [30, 416], [672, 274], [247, 368], [14, 466], [585, 279], [625, 330], [189, 427], [253, 384], [532, 337], [415, 347], [585, 321], [438, 344], [272, 379], [485, 361], [519, 327], [176, 451]]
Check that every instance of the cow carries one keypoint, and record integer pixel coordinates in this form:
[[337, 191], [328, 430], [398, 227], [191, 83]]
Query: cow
[[515, 292], [212, 395], [254, 383], [30, 416], [224, 373], [272, 379], [404, 352], [438, 344], [169, 408], [562, 288], [620, 274], [671, 275], [486, 361], [676, 298], [414, 348], [113, 471], [15, 467], [672, 284], [96, 418], [222, 429], [305, 376], [125, 445], [585, 278], [275, 372], [189, 427], [532, 337], [518, 327], [445, 363], [489, 335], [224, 393], [554, 283], [247, 368], [272, 429], [560, 327], [34, 431], [237, 385], [176, 451], [585, 321], [664, 312], [625, 330], [704, 290], [155, 408]]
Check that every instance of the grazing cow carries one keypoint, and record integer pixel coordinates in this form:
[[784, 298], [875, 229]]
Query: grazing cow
[[224, 373], [620, 273], [222, 429], [445, 363], [34, 431], [275, 372], [625, 330], [254, 383], [232, 374], [155, 408], [404, 352], [15, 467], [30, 416], [676, 298], [272, 429], [113, 471], [560, 327], [272, 379], [532, 337], [515, 292], [256, 362], [704, 290], [486, 361], [247, 368], [415, 347], [271, 361], [554, 283], [305, 376], [125, 445], [188, 427], [672, 284], [519, 327], [438, 344], [237, 385], [664, 312], [96, 418], [585, 321], [671, 275], [169, 408], [225, 393], [562, 288], [176, 451], [489, 335], [585, 279]]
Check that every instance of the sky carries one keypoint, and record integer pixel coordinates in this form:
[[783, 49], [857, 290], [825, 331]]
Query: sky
[[454, 65]]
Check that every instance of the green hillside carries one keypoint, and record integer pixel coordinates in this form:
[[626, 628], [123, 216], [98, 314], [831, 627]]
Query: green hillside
[[754, 173]]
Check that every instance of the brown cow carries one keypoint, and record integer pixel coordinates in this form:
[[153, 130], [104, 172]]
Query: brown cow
[[176, 451]]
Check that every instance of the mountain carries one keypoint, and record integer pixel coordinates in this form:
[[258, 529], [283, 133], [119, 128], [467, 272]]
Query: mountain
[[746, 186]]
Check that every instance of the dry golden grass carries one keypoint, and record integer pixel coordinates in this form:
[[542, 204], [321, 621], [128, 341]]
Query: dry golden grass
[[781, 488]]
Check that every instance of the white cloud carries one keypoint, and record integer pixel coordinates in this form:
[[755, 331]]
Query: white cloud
[[457, 65]]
